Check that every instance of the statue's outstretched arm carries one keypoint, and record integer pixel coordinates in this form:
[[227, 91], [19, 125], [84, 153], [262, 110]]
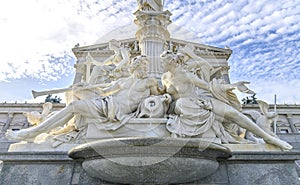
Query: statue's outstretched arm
[[109, 60], [125, 59], [197, 81], [115, 87], [90, 60], [97, 63], [201, 61], [241, 86]]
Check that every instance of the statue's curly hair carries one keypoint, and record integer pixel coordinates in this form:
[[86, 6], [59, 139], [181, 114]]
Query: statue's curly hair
[[171, 57], [139, 61]]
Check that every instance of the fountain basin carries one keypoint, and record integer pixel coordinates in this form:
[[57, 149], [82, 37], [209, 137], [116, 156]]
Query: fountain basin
[[150, 160]]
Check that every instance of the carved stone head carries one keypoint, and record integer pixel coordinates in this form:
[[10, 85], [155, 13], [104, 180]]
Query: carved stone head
[[139, 66]]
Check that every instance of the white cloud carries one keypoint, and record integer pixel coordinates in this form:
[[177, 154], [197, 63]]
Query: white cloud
[[34, 30], [286, 91], [37, 36]]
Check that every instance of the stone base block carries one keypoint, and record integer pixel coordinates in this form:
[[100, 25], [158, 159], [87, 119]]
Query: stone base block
[[247, 168]]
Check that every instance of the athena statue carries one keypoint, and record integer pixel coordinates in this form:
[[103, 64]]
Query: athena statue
[[151, 5]]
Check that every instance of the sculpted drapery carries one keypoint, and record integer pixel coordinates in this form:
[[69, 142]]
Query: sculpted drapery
[[152, 5]]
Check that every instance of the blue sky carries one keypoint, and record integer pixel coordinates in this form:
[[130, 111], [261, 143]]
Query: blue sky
[[37, 37]]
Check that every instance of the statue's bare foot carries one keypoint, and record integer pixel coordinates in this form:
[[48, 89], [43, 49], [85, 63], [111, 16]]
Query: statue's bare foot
[[17, 135], [280, 143]]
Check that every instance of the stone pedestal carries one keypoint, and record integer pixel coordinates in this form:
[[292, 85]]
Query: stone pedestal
[[150, 160], [4, 145], [247, 168]]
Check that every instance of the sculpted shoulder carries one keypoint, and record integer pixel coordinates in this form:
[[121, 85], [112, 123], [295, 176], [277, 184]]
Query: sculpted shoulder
[[152, 81], [166, 75]]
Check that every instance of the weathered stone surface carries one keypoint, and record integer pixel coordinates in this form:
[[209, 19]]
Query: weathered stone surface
[[150, 160], [35, 173], [4, 145], [33, 168], [263, 168], [262, 173], [26, 168], [220, 177], [298, 167], [170, 170]]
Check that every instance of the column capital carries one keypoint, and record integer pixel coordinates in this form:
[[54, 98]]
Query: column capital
[[152, 25]]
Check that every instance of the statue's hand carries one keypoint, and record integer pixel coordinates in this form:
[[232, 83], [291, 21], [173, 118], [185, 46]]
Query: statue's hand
[[18, 136], [10, 135], [241, 86], [167, 98]]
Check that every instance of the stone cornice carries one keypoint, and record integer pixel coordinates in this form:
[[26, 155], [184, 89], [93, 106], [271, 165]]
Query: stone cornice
[[200, 49]]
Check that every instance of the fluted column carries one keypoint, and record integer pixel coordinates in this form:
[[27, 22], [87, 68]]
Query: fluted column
[[152, 34]]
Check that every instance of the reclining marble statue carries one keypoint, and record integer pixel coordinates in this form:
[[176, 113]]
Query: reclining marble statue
[[112, 109], [195, 115], [199, 103]]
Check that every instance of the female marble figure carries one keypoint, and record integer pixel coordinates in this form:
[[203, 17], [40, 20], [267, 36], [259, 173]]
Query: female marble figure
[[196, 115], [102, 73], [111, 110], [218, 87]]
